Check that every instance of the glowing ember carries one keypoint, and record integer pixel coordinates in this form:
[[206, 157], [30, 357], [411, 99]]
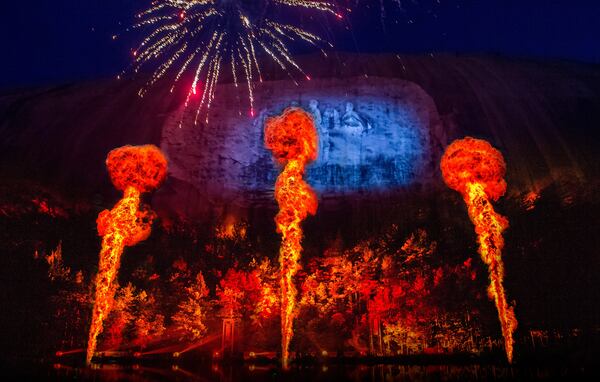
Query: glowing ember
[[530, 199], [292, 138], [133, 170], [476, 170]]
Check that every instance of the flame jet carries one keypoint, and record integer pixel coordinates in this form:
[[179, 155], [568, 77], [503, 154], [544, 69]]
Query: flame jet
[[293, 140], [133, 170], [476, 170]]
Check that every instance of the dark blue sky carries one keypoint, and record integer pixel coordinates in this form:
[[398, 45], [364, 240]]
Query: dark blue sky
[[56, 41]]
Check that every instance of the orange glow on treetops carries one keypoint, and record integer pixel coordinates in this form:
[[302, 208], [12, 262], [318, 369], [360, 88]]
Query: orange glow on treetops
[[293, 140], [476, 170], [133, 170]]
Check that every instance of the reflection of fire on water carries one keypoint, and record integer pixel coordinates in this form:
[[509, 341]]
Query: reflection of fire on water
[[133, 170], [476, 170], [292, 138]]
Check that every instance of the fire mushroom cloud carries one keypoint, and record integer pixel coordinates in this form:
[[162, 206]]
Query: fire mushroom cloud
[[133, 170], [476, 170], [293, 140]]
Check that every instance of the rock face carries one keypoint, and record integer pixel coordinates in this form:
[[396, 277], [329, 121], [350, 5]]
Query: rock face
[[377, 136], [383, 122]]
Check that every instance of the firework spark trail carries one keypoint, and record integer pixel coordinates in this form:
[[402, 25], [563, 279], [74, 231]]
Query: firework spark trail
[[292, 138], [133, 170], [476, 170], [393, 12], [202, 35]]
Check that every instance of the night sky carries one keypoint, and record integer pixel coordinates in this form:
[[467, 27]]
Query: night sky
[[49, 42]]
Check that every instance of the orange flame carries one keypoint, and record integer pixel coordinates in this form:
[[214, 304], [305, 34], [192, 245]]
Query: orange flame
[[133, 170], [292, 138], [476, 170]]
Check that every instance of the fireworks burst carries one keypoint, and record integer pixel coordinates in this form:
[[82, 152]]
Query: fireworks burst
[[207, 36]]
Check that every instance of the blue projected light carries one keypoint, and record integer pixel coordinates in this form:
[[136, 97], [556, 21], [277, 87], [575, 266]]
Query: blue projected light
[[365, 144], [374, 134]]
